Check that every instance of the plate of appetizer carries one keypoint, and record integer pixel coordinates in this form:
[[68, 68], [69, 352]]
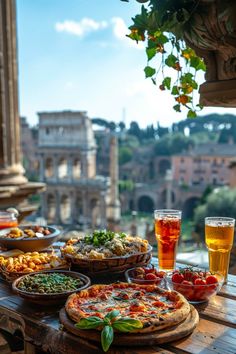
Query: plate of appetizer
[[105, 251], [28, 238]]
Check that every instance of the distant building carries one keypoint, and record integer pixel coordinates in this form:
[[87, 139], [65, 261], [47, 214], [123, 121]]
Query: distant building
[[29, 146], [205, 164], [67, 153]]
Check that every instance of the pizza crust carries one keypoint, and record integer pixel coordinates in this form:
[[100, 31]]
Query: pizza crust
[[151, 324]]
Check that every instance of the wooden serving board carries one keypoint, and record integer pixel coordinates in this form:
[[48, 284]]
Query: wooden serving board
[[136, 339]]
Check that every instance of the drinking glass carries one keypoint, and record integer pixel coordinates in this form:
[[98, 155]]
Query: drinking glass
[[219, 235], [167, 231], [8, 219]]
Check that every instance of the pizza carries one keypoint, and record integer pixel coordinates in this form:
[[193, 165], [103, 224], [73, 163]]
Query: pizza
[[156, 308]]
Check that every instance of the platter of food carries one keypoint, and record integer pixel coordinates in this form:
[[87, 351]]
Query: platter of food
[[129, 313], [49, 287], [28, 238], [29, 262], [106, 251]]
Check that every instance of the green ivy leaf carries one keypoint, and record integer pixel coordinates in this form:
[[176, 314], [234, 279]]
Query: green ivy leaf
[[127, 324], [107, 336], [166, 82], [149, 71], [197, 63], [89, 323], [177, 108], [175, 90], [151, 52], [171, 60], [191, 114]]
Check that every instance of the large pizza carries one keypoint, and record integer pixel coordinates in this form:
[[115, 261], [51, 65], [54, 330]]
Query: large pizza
[[156, 308]]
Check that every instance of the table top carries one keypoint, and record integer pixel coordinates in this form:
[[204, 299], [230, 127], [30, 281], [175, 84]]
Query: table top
[[40, 326]]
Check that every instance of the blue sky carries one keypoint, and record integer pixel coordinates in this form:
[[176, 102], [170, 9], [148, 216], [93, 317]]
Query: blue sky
[[73, 54]]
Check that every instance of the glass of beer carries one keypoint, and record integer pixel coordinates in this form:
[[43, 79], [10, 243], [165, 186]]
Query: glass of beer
[[167, 231], [219, 235]]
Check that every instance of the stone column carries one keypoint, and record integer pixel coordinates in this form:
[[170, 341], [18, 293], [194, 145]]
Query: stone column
[[11, 169], [55, 168], [41, 168], [70, 168], [58, 208], [168, 179], [113, 210]]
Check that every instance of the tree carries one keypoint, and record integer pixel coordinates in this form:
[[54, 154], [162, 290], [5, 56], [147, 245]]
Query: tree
[[220, 202], [125, 155], [173, 144], [135, 130]]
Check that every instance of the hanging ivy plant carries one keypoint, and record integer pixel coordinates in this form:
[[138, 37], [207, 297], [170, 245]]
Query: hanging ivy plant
[[162, 24]]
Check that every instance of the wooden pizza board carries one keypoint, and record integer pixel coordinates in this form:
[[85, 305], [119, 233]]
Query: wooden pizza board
[[137, 339]]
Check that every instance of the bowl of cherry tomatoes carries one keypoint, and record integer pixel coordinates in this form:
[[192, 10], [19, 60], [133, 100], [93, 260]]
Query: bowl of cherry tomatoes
[[145, 275], [196, 285]]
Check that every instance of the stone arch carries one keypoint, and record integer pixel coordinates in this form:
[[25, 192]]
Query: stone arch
[[145, 204], [76, 168], [51, 208], [163, 166], [62, 168], [189, 206], [49, 167], [65, 209]]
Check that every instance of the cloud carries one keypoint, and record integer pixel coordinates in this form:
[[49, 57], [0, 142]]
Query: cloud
[[81, 28], [120, 30]]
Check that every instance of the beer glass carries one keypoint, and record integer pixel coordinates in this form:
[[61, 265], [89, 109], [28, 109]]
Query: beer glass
[[167, 231], [219, 235]]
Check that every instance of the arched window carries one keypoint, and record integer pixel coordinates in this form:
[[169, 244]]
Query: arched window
[[62, 168], [51, 208], [49, 168], [65, 209], [76, 169]]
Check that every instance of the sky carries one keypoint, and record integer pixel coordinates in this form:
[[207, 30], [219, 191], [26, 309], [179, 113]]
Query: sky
[[74, 55]]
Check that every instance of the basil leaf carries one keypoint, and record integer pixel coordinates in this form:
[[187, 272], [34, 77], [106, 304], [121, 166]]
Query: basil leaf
[[119, 298], [89, 323], [112, 314], [127, 324], [107, 336]]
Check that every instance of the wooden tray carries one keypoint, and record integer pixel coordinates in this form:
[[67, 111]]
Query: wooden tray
[[137, 339]]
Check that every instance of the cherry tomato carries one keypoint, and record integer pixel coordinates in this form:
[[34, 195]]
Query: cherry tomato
[[177, 278], [160, 274], [186, 282], [187, 274], [150, 276], [149, 270], [200, 281], [211, 279]]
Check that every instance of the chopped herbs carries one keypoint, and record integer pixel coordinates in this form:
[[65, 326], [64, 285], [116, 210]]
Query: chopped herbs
[[100, 237]]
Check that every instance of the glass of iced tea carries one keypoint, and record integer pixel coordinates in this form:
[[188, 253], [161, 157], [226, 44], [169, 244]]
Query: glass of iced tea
[[8, 219], [219, 235], [167, 231]]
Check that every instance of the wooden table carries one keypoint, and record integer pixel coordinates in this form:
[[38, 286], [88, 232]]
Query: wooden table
[[40, 328]]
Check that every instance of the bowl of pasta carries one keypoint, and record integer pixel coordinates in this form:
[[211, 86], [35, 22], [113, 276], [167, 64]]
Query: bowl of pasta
[[105, 251], [28, 238], [12, 268]]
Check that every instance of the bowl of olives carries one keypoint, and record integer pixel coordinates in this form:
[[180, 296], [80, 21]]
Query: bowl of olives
[[49, 287]]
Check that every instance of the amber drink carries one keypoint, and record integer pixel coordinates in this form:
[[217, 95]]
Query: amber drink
[[219, 235], [167, 231]]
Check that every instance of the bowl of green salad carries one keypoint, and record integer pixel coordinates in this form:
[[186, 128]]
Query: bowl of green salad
[[49, 287]]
